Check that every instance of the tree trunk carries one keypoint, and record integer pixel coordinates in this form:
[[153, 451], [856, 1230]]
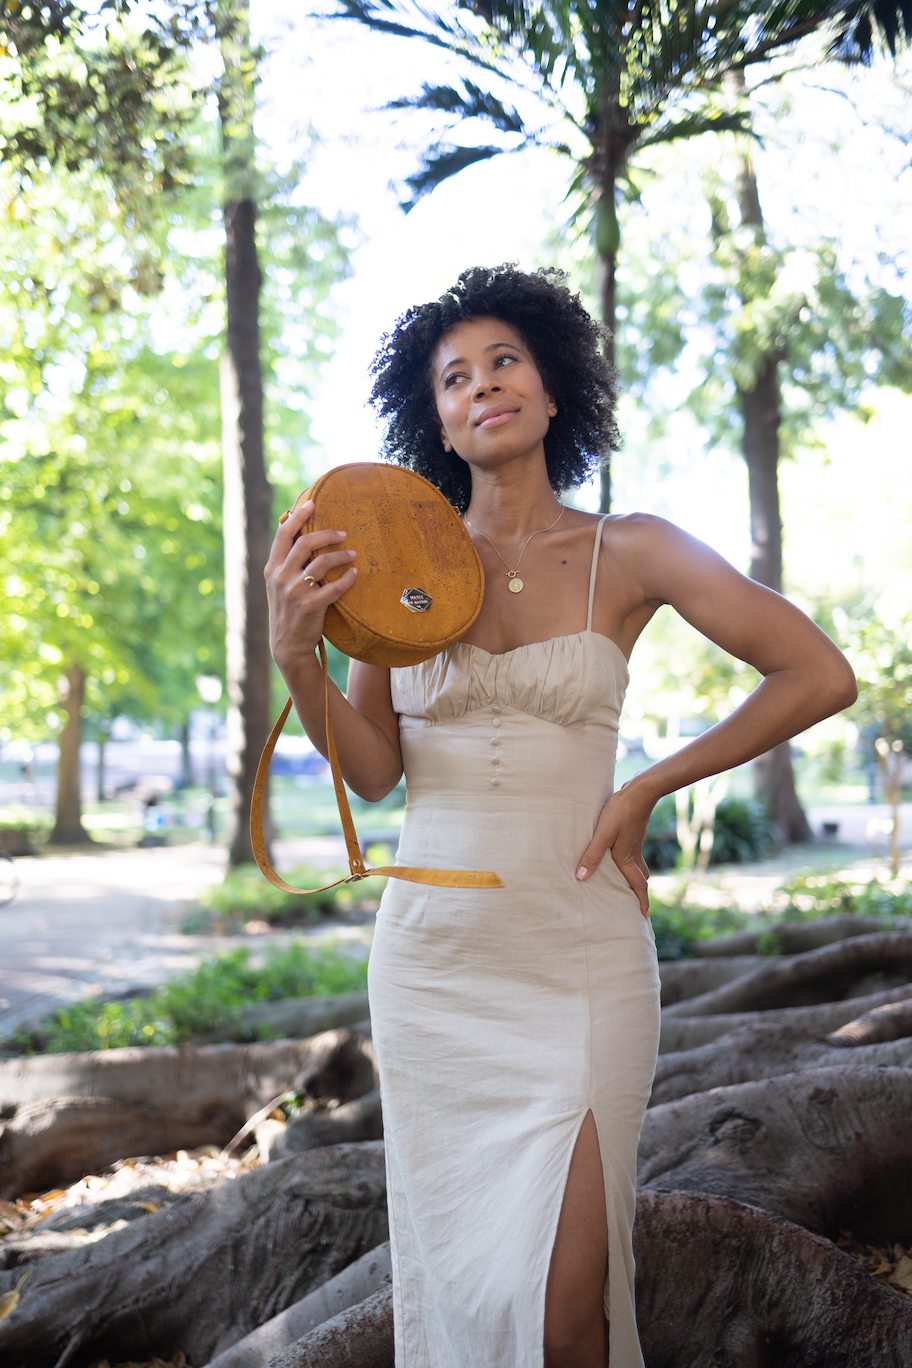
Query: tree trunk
[[360, 1119], [101, 781], [186, 761], [247, 493], [761, 420], [204, 1271], [68, 828], [720, 1285], [607, 266], [612, 142]]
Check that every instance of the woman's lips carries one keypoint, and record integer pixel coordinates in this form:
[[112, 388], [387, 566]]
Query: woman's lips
[[498, 418]]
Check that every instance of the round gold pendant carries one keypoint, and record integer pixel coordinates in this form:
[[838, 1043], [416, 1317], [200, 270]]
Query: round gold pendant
[[516, 585]]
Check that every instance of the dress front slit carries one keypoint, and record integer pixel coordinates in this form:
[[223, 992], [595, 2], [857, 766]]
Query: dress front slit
[[503, 1017]]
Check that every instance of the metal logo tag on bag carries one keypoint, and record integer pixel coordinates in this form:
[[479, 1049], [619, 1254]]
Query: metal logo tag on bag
[[416, 600]]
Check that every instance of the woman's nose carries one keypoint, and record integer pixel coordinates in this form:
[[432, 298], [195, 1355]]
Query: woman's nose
[[486, 387]]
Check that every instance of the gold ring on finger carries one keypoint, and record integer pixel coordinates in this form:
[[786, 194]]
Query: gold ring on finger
[[309, 579]]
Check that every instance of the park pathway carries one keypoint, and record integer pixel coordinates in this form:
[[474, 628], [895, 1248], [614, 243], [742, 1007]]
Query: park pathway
[[106, 922], [109, 921]]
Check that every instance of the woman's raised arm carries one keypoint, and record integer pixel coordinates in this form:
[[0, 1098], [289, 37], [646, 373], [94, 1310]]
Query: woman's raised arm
[[805, 678], [365, 727]]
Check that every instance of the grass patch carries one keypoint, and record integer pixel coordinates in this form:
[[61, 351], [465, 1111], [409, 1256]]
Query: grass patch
[[212, 996], [819, 895], [245, 895], [679, 927]]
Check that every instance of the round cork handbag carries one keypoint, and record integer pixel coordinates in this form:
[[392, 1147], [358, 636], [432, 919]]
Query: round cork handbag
[[420, 587]]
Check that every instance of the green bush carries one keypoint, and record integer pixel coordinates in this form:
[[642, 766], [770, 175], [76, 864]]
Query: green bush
[[678, 928], [213, 995], [744, 831], [245, 894], [21, 834], [819, 895]]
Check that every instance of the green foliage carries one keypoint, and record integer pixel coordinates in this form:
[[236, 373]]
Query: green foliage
[[214, 995], [244, 893], [679, 927], [818, 895], [744, 831], [110, 325], [880, 649]]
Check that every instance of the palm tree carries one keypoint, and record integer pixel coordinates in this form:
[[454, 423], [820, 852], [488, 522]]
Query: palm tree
[[613, 79], [608, 79]]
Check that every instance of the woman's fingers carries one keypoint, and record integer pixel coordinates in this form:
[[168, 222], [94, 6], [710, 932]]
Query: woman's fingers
[[325, 594], [630, 862], [319, 566], [637, 876], [289, 530]]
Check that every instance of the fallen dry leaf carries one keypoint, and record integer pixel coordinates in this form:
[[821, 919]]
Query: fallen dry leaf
[[901, 1277], [10, 1300]]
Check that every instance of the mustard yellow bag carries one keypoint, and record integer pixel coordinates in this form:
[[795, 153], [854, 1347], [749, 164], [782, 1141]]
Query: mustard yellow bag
[[419, 588]]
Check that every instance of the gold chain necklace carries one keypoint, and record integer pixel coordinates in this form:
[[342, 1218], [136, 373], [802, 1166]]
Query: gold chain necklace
[[515, 584]]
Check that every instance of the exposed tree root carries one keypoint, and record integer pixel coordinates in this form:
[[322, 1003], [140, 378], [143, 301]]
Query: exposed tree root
[[766, 1050], [721, 1285], [828, 1149], [205, 1271], [865, 964]]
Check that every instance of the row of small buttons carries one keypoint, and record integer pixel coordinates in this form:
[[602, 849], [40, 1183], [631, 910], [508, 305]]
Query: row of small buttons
[[494, 782]]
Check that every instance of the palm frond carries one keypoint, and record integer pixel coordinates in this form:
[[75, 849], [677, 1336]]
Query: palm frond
[[440, 164], [408, 19], [860, 24], [695, 125], [471, 102]]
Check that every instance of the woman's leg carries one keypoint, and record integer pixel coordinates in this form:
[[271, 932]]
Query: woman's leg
[[575, 1327]]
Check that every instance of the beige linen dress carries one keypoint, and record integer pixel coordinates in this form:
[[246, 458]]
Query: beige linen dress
[[502, 1017]]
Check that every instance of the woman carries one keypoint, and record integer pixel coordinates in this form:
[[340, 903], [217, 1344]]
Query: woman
[[516, 1029]]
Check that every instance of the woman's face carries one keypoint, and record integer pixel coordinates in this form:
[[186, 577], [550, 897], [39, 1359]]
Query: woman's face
[[490, 397]]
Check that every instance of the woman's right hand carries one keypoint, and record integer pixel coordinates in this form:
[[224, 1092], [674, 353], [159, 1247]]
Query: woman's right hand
[[298, 599]]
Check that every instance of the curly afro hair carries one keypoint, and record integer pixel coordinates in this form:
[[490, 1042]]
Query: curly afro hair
[[566, 345]]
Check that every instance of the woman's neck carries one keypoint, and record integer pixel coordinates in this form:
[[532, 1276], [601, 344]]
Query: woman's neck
[[511, 509]]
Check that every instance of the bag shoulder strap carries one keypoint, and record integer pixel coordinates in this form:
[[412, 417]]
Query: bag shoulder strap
[[441, 878]]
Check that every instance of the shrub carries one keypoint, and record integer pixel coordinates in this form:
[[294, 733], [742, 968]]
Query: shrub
[[245, 894], [820, 895], [744, 831], [213, 995], [678, 927]]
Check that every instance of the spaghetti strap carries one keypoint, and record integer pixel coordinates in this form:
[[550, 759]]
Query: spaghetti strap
[[594, 570]]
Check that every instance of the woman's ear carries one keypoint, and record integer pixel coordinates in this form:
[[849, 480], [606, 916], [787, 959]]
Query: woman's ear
[[552, 407], [447, 444]]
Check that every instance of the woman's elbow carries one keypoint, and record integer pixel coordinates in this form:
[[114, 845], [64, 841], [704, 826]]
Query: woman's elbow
[[840, 688], [374, 789]]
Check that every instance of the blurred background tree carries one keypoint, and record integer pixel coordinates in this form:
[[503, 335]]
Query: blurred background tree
[[114, 317]]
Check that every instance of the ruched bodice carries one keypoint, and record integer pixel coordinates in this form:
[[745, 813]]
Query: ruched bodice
[[501, 1017], [572, 681]]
